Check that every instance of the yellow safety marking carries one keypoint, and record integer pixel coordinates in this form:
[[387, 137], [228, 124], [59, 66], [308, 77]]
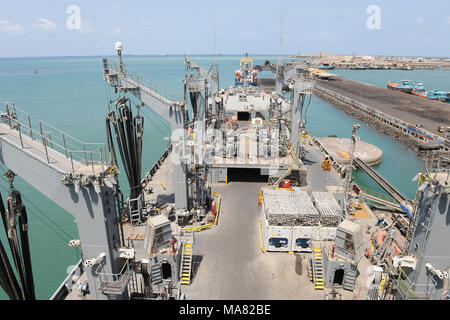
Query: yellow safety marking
[[383, 281], [291, 252], [197, 228], [162, 185], [113, 171], [188, 245], [218, 208], [185, 275], [260, 238], [345, 154]]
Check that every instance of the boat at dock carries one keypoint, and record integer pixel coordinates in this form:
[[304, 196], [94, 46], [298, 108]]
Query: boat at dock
[[406, 86], [437, 95]]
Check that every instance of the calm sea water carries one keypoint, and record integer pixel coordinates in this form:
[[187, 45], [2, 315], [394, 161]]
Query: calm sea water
[[70, 94]]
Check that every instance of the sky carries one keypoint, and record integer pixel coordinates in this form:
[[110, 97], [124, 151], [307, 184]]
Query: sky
[[396, 27]]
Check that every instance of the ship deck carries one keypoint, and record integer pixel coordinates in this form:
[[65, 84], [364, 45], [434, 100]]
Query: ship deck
[[231, 263]]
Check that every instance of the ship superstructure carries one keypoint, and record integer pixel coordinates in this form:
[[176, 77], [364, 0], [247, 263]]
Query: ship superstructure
[[246, 75]]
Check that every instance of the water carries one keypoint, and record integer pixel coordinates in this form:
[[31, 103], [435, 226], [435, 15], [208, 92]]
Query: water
[[70, 93]]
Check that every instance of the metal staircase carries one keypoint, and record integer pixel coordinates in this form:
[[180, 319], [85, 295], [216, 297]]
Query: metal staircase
[[276, 180], [349, 280], [155, 273], [186, 264], [317, 268]]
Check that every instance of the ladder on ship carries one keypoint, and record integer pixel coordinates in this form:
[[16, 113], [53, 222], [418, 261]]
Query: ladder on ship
[[186, 261], [317, 268]]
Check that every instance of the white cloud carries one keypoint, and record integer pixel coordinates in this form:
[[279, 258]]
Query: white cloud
[[447, 21], [248, 35], [420, 20], [13, 29], [45, 25]]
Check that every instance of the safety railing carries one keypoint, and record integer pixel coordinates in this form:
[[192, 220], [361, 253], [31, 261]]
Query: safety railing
[[157, 165], [115, 283], [408, 290], [148, 86], [89, 154]]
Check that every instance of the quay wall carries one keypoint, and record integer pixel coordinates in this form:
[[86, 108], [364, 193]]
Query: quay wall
[[405, 132]]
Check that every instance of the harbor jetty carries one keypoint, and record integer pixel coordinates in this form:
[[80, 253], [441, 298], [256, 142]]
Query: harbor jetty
[[412, 120]]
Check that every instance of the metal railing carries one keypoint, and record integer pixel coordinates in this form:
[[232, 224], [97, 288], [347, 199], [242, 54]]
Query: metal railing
[[67, 285], [115, 283], [135, 207], [148, 86], [408, 290], [157, 165], [89, 154]]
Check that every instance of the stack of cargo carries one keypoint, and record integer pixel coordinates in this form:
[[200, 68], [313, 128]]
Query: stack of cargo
[[289, 208], [329, 210]]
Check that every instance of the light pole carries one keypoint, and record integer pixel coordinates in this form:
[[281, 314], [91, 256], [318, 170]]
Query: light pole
[[348, 174]]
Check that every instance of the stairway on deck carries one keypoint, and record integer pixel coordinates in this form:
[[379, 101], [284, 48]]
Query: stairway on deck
[[317, 268]]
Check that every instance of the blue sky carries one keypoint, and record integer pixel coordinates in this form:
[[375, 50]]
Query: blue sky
[[38, 28]]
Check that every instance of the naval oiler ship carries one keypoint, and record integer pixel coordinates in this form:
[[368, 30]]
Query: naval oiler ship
[[243, 204]]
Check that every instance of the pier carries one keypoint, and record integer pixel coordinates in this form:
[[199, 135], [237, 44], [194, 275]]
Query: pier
[[413, 116]]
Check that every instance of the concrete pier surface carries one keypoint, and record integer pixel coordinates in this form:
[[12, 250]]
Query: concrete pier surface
[[407, 107], [340, 150]]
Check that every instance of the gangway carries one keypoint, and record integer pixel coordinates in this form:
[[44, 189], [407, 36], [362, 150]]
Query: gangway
[[75, 176], [383, 183]]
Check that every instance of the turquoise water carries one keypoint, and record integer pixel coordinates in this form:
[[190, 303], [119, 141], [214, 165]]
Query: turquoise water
[[70, 94]]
